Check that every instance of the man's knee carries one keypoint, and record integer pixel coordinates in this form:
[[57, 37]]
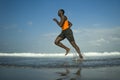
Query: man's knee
[[56, 42]]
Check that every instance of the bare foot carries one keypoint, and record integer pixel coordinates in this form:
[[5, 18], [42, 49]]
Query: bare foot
[[80, 59], [67, 51], [81, 56]]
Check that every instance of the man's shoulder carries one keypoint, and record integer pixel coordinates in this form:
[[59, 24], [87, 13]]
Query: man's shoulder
[[64, 17]]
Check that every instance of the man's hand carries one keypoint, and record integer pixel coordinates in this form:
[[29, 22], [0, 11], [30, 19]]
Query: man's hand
[[54, 19]]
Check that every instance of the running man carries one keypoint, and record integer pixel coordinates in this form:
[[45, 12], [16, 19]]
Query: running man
[[66, 33]]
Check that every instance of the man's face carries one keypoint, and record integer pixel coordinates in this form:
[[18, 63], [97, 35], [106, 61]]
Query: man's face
[[59, 12]]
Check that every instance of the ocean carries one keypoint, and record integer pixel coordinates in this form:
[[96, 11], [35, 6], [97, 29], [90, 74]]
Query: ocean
[[59, 60]]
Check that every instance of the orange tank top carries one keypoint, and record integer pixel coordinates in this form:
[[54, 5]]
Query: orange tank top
[[65, 25]]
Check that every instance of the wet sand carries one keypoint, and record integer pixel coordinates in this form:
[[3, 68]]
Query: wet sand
[[100, 73]]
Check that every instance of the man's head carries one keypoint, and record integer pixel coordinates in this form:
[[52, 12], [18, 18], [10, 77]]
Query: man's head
[[61, 12]]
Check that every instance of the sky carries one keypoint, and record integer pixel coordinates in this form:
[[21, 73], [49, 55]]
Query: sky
[[27, 25]]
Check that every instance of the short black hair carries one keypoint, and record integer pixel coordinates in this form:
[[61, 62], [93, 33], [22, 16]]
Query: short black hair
[[62, 11]]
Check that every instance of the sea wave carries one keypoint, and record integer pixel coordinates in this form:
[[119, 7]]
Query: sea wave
[[44, 60], [85, 54]]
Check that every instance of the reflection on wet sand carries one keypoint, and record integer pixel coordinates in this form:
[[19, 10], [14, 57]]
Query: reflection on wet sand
[[70, 73], [67, 75]]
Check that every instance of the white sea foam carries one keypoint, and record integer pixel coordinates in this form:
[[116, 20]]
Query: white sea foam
[[86, 54]]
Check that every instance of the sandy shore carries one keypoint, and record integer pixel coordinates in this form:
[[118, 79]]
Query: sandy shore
[[17, 73]]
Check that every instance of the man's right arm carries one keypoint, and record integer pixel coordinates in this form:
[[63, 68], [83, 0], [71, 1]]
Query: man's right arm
[[63, 18], [58, 23]]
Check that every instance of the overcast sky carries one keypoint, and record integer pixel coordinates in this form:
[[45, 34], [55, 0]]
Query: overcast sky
[[27, 25]]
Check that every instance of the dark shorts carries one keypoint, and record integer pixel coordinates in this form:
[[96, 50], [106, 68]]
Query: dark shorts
[[67, 34]]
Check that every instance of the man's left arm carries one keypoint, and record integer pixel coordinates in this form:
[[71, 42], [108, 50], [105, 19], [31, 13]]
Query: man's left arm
[[70, 24]]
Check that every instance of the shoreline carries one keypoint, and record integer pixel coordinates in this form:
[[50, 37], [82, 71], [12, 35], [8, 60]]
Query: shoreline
[[95, 73]]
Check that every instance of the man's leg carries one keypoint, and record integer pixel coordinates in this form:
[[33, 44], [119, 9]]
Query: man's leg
[[58, 43], [76, 48]]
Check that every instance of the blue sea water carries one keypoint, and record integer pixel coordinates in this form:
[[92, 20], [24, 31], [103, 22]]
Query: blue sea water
[[58, 60]]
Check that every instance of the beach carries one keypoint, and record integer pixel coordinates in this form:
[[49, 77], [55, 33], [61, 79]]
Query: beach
[[21, 73], [32, 66]]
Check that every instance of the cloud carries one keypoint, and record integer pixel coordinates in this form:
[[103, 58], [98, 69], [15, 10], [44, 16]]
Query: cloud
[[99, 42], [76, 31], [8, 26], [50, 34], [95, 25], [30, 23], [20, 31], [115, 38], [100, 38]]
